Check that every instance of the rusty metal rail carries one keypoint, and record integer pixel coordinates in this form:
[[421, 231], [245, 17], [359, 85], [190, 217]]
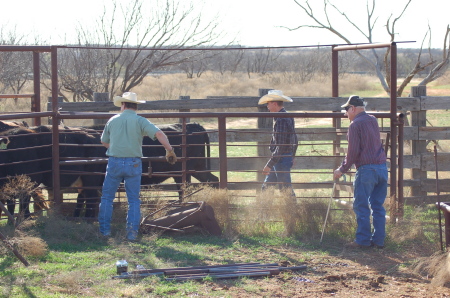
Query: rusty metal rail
[[215, 272], [4, 96]]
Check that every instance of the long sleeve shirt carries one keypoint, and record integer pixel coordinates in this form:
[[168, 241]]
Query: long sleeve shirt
[[284, 139], [364, 143]]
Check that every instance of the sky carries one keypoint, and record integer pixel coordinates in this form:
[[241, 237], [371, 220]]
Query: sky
[[249, 22]]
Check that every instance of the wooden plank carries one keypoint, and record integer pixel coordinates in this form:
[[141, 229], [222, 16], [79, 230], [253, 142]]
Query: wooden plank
[[428, 199], [260, 135], [433, 133], [299, 104], [348, 187], [435, 103], [429, 185], [341, 150], [429, 164], [410, 133]]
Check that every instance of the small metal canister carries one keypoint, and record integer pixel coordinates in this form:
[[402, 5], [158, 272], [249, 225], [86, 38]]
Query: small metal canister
[[122, 266]]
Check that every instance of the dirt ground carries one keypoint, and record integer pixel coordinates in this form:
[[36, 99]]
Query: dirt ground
[[351, 273]]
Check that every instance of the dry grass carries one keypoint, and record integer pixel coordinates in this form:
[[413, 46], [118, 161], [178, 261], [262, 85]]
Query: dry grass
[[59, 230], [436, 267], [31, 246], [412, 228], [172, 86], [274, 213]]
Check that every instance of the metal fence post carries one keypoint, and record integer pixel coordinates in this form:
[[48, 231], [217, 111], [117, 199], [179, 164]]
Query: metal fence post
[[263, 123]]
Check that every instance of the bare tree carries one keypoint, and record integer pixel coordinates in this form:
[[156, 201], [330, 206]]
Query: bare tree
[[131, 42], [261, 60], [15, 67], [439, 68], [199, 63], [372, 57], [228, 60]]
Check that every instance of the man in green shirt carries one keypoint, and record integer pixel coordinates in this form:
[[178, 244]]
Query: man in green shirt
[[122, 137]]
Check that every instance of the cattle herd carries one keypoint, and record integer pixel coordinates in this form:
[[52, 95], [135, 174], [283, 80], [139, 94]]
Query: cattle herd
[[28, 151]]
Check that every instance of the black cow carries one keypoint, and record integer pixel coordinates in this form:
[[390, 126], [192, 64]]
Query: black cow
[[29, 152], [197, 153], [40, 161], [77, 175], [19, 156]]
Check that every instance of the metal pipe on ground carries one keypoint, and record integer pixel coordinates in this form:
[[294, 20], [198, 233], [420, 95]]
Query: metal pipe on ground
[[216, 272]]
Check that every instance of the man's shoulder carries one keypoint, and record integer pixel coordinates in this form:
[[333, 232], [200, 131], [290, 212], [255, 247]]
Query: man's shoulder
[[363, 116]]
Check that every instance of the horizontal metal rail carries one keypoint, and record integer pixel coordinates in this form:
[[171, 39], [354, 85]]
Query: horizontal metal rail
[[16, 96], [10, 116]]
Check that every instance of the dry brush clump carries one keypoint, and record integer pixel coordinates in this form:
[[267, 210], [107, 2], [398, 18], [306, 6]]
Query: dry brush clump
[[31, 246], [414, 232], [220, 200], [56, 229], [19, 189], [436, 267]]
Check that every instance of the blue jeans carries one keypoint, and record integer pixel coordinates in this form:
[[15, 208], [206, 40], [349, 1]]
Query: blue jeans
[[370, 190], [129, 170], [280, 174]]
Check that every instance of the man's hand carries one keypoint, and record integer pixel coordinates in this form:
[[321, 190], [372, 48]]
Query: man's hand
[[266, 170], [337, 174], [171, 157]]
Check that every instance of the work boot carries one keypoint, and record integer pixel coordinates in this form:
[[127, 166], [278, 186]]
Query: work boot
[[376, 246], [354, 245], [132, 236]]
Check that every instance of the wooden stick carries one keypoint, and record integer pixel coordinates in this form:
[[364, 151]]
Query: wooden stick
[[2, 206], [16, 253]]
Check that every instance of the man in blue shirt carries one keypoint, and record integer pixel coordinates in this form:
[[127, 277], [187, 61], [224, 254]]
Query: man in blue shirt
[[122, 137]]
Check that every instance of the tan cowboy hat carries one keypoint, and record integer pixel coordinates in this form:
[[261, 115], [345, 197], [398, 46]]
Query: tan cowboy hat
[[274, 95], [127, 97]]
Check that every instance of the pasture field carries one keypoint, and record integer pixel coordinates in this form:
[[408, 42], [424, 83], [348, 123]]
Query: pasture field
[[69, 258]]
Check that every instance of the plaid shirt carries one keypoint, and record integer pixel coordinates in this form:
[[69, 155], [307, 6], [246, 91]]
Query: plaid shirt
[[364, 143], [284, 140]]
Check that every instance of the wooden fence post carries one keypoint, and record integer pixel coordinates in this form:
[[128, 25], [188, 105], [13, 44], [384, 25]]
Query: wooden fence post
[[418, 119], [98, 97], [184, 97], [264, 123]]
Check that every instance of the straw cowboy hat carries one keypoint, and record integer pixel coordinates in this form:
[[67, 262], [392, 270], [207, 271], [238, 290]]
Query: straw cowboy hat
[[274, 95], [127, 97]]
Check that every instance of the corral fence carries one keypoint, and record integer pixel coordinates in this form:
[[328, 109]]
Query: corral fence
[[307, 108]]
